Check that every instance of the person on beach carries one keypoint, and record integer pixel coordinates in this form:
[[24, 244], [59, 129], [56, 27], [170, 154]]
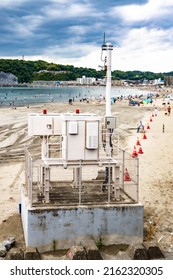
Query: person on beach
[[169, 110], [155, 111]]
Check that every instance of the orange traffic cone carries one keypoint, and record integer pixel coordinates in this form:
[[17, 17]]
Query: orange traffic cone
[[151, 119], [138, 142], [126, 175], [140, 150], [144, 136], [148, 127], [134, 154]]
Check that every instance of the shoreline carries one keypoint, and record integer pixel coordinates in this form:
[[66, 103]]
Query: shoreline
[[15, 98]]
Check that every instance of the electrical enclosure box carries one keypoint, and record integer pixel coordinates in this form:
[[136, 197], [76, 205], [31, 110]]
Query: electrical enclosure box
[[44, 125], [80, 137], [110, 122]]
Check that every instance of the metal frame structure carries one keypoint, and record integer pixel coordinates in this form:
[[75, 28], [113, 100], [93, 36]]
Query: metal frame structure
[[58, 182]]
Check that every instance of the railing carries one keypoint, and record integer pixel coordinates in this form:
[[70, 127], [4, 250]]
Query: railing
[[130, 174], [28, 174], [109, 180]]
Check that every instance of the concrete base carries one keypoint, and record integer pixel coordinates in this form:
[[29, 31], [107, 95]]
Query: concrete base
[[49, 228]]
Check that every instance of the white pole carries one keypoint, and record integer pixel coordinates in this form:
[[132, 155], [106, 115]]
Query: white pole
[[108, 81], [108, 47]]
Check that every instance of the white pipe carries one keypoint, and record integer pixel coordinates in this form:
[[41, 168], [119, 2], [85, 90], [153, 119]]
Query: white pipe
[[109, 48]]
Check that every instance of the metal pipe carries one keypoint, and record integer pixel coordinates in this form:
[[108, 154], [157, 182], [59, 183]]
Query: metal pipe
[[80, 182], [31, 180], [109, 184], [108, 47], [123, 166], [137, 180]]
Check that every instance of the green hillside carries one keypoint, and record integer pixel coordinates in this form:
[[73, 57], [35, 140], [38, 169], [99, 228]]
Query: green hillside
[[28, 71]]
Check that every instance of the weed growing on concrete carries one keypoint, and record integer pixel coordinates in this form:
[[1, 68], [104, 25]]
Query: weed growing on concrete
[[99, 243]]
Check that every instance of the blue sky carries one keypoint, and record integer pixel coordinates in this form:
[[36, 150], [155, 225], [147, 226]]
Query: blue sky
[[71, 32]]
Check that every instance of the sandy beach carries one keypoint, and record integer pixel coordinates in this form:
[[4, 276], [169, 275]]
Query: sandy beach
[[155, 164]]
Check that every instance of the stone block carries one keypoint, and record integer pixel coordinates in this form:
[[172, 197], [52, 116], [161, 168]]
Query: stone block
[[3, 250], [141, 254], [8, 243], [15, 254], [31, 253], [155, 253], [137, 252], [93, 253], [77, 253]]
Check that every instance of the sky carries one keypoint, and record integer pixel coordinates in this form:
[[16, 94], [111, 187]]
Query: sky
[[71, 32]]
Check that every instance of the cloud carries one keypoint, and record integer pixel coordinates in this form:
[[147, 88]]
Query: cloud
[[11, 3], [149, 48], [142, 38], [78, 29], [72, 31], [143, 12], [71, 9], [24, 26], [69, 49]]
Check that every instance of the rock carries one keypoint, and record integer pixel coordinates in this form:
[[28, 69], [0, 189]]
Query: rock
[[15, 254], [9, 243], [155, 253], [76, 253], [31, 253], [12, 240], [137, 252], [154, 250], [141, 254], [3, 250], [8, 78], [93, 253]]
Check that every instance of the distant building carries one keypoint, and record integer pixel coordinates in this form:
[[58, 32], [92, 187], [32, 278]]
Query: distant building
[[86, 81], [117, 82], [158, 82], [8, 79], [54, 72], [49, 83], [168, 80]]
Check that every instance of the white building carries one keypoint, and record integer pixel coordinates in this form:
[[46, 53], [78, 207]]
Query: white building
[[86, 81]]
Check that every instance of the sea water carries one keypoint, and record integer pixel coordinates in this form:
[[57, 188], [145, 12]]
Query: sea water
[[24, 96]]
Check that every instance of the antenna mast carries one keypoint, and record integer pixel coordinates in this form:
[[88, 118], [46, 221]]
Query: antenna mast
[[108, 47]]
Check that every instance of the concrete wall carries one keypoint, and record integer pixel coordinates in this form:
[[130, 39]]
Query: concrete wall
[[60, 228]]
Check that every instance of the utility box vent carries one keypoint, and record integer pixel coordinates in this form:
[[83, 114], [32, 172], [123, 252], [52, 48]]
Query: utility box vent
[[92, 135], [73, 128], [92, 142]]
